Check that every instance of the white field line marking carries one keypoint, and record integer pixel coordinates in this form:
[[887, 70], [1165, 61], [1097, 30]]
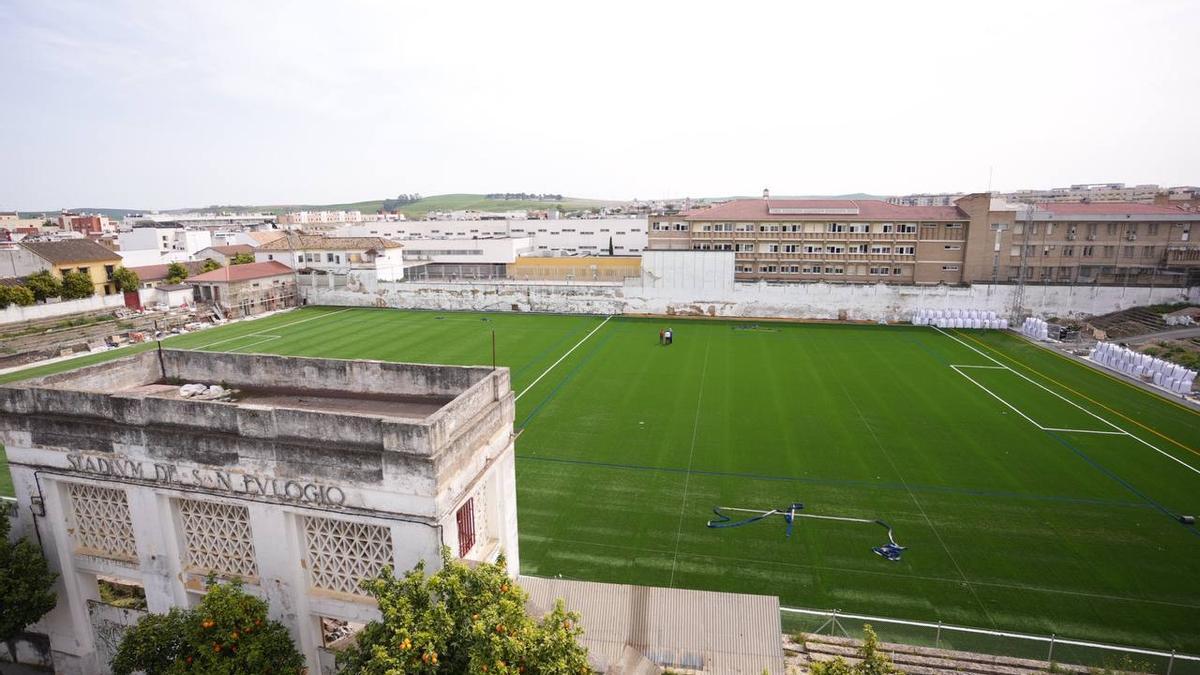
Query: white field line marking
[[798, 515], [1139, 439], [266, 338], [256, 333], [967, 365], [1086, 431], [691, 454], [560, 359], [997, 397]]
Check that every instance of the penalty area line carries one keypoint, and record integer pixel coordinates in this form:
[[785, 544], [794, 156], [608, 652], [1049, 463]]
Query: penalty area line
[[560, 359]]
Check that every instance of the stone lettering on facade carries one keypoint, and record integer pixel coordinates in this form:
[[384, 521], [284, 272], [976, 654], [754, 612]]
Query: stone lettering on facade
[[210, 479]]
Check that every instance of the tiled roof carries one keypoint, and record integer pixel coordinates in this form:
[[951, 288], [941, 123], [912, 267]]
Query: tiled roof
[[1109, 209], [310, 242], [71, 250], [821, 209], [159, 272], [264, 236], [259, 270], [231, 250]]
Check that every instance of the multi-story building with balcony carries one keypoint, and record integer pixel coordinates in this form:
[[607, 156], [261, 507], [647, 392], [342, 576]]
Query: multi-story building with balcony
[[980, 239], [824, 239]]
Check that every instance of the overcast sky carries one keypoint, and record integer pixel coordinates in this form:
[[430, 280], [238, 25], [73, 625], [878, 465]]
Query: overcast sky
[[131, 104]]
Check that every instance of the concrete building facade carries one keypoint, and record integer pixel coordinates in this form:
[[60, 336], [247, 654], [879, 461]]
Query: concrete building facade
[[572, 236], [59, 257], [244, 290], [980, 239], [316, 475], [336, 255]]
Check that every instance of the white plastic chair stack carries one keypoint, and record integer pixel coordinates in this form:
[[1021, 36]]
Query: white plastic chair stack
[[959, 318], [1170, 376]]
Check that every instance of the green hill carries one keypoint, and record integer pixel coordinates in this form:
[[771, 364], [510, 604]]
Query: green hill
[[418, 209]]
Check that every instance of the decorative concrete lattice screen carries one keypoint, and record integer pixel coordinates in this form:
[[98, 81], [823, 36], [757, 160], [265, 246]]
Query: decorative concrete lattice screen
[[342, 553], [218, 538], [102, 523]]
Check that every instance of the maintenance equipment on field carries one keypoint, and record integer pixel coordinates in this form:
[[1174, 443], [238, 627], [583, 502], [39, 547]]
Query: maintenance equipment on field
[[890, 551]]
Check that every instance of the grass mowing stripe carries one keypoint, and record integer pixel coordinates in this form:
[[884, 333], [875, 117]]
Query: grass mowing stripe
[[560, 359], [845, 482], [896, 469], [893, 575], [691, 455], [1084, 396], [569, 376], [549, 348]]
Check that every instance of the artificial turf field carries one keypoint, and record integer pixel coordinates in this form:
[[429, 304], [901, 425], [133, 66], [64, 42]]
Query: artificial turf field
[[1034, 494]]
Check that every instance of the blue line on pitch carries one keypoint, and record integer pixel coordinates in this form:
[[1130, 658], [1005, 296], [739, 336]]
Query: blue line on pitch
[[845, 482]]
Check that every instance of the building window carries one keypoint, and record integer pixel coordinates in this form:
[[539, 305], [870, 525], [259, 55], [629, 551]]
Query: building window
[[908, 228], [791, 248], [103, 526], [772, 248], [745, 248], [1068, 251], [952, 247], [217, 538], [836, 227], [859, 228], [342, 553], [1152, 228], [905, 250], [1089, 251], [887, 228], [466, 527], [896, 271], [949, 268]]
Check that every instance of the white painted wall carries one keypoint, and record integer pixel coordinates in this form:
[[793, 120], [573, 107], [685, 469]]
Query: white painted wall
[[53, 309], [701, 283]]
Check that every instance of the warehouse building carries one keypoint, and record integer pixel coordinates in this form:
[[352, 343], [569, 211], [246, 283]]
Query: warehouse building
[[313, 475]]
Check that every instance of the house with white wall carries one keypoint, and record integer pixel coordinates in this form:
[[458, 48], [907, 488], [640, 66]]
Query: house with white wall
[[336, 255]]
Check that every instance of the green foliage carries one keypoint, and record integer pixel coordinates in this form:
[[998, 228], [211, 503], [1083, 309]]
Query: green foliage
[[241, 259], [461, 620], [210, 265], [176, 273], [872, 661], [126, 279], [76, 285], [15, 295], [44, 285], [26, 583], [226, 634], [1122, 664]]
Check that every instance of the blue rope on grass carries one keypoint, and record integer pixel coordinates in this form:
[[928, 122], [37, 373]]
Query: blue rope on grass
[[890, 551]]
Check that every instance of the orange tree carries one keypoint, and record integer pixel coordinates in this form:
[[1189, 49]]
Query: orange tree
[[226, 634], [461, 620]]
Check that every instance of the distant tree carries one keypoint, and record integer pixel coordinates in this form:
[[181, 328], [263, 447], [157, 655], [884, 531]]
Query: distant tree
[[872, 661], [44, 285], [76, 285], [241, 259], [26, 584], [126, 279], [401, 200], [461, 620], [15, 295], [610, 246], [210, 265], [176, 273], [227, 633]]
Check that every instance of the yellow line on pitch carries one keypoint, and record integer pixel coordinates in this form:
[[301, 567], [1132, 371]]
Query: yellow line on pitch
[[1081, 395]]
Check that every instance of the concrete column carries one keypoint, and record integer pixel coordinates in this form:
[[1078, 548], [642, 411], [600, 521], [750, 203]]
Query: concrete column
[[280, 551], [158, 549], [68, 624]]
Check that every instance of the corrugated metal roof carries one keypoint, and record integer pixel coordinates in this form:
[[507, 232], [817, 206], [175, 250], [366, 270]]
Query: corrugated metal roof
[[675, 628]]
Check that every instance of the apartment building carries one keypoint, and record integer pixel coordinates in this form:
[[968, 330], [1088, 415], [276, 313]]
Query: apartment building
[[338, 255], [570, 236], [319, 217], [980, 239], [1080, 243], [59, 257], [860, 241]]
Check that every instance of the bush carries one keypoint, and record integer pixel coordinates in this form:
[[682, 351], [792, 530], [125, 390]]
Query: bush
[[462, 620], [873, 661], [226, 634], [126, 280], [15, 295], [210, 265], [44, 285], [241, 259], [176, 273], [26, 583], [76, 285]]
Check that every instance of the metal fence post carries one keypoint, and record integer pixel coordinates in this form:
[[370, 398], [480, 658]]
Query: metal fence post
[[1050, 656], [938, 640], [1171, 662]]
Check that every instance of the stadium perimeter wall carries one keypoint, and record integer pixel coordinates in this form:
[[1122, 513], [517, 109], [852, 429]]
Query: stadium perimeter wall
[[696, 283]]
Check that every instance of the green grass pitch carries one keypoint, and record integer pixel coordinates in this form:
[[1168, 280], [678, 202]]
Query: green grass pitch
[[1033, 494]]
